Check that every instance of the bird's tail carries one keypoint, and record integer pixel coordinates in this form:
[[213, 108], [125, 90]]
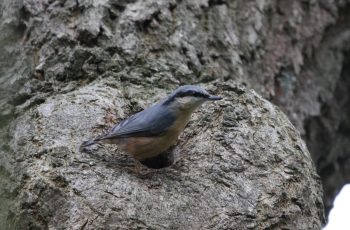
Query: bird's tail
[[88, 143]]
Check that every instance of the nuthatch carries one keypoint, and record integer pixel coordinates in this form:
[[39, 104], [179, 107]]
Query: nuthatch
[[154, 130]]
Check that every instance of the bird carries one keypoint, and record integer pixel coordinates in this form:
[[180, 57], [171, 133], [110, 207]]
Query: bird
[[151, 132]]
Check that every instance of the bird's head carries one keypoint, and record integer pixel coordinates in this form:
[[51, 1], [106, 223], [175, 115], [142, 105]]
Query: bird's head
[[189, 97]]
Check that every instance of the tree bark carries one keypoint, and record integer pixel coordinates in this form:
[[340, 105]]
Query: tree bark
[[71, 69]]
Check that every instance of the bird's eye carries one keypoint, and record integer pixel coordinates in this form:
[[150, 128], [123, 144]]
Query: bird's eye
[[195, 94], [190, 93]]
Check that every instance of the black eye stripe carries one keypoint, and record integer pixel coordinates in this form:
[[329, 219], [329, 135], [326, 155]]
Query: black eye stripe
[[185, 93], [191, 93]]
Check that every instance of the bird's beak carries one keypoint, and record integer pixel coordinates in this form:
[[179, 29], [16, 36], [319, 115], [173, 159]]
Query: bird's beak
[[214, 98]]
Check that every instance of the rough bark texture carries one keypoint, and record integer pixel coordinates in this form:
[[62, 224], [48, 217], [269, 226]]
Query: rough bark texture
[[241, 163], [121, 55]]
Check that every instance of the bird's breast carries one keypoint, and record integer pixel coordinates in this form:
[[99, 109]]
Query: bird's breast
[[146, 147]]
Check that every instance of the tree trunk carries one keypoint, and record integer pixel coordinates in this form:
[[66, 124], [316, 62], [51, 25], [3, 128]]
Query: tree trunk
[[72, 69]]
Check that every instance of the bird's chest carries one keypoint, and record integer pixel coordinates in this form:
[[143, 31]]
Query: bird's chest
[[178, 127], [147, 147]]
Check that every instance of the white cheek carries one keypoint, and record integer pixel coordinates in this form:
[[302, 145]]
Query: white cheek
[[185, 100], [200, 102], [191, 102]]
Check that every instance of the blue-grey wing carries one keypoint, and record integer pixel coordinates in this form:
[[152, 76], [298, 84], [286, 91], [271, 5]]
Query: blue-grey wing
[[153, 121]]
